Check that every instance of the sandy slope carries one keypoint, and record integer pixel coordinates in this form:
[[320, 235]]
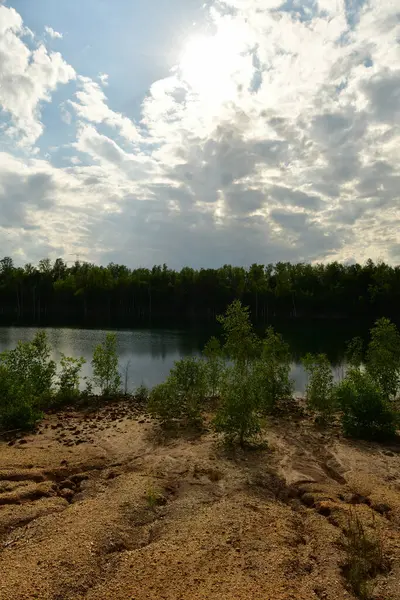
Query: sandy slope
[[77, 518]]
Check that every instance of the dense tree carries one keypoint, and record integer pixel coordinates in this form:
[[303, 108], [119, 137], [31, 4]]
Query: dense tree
[[83, 292]]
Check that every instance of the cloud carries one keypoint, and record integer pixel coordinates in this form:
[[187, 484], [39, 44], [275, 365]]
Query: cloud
[[52, 33], [91, 105], [104, 78], [27, 78], [276, 138]]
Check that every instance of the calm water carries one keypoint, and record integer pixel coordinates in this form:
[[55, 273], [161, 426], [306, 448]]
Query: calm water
[[151, 352]]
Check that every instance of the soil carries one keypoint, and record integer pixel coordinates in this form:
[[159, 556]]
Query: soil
[[102, 505]]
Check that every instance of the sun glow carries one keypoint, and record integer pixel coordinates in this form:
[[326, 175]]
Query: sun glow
[[209, 65]]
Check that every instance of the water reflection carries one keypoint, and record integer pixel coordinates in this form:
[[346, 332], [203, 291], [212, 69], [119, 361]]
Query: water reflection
[[151, 352]]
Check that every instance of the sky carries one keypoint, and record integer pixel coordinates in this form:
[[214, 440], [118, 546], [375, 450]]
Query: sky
[[200, 133]]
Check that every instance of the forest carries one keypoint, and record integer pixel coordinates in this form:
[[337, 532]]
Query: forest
[[78, 293]]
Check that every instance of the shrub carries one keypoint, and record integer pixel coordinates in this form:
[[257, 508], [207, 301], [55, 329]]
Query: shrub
[[237, 416], [182, 395], [142, 394], [241, 343], [366, 413], [320, 387], [154, 498], [105, 366], [18, 410], [164, 402], [215, 366], [354, 352], [26, 383], [189, 377], [20, 414], [383, 356], [69, 377], [271, 372], [30, 368]]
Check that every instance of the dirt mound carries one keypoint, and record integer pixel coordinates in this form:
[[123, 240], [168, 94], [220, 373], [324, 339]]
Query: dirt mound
[[122, 515]]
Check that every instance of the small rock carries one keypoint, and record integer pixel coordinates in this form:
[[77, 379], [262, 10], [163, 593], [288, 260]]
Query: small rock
[[23, 441]]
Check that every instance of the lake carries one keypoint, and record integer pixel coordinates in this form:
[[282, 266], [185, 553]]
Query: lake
[[150, 353]]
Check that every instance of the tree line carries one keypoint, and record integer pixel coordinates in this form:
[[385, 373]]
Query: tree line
[[57, 292]]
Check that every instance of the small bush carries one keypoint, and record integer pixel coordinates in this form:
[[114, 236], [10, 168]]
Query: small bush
[[20, 414], [354, 352], [383, 357], [30, 368], [105, 366], [189, 377], [364, 557], [142, 394], [320, 387], [271, 372], [237, 416], [26, 383], [164, 402], [154, 498], [215, 366], [69, 377], [366, 413]]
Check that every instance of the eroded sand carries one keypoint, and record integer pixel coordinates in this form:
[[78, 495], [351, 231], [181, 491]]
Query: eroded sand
[[125, 515]]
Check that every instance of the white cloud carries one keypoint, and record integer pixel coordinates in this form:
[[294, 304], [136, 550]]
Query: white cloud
[[104, 78], [52, 33], [92, 105], [27, 78], [277, 138]]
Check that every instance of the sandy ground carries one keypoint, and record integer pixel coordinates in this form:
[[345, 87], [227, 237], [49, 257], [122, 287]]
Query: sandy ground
[[100, 506]]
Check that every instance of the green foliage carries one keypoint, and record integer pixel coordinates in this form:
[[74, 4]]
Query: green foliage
[[237, 416], [142, 394], [153, 498], [27, 376], [366, 413], [215, 366], [241, 343], [164, 402], [271, 372], [69, 377], [383, 357], [16, 412], [19, 413], [30, 366], [189, 375], [182, 395], [105, 366], [364, 557], [354, 352], [320, 387]]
